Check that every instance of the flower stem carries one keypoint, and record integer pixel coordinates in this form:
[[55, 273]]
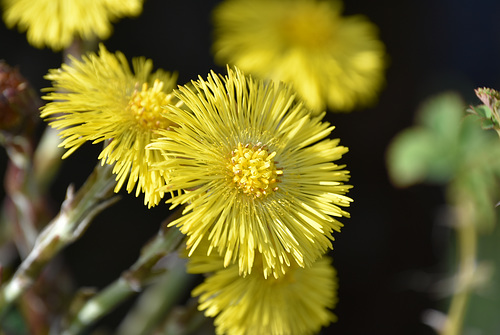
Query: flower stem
[[47, 159], [467, 248], [100, 305], [130, 282], [156, 303], [76, 213]]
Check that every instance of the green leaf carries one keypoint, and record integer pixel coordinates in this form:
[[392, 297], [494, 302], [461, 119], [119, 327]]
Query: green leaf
[[487, 124], [409, 157], [442, 115], [428, 151], [483, 111]]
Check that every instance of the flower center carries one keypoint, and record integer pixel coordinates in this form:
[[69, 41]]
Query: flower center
[[146, 106], [253, 170], [309, 26]]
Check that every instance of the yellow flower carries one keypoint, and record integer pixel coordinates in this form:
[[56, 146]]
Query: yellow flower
[[332, 61], [99, 98], [55, 23], [296, 303], [257, 172]]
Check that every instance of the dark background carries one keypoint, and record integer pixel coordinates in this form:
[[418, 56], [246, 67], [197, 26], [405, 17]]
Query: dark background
[[393, 248]]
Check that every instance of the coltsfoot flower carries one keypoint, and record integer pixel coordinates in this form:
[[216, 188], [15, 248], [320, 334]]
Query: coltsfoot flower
[[257, 172], [55, 23], [332, 61], [298, 302], [98, 99]]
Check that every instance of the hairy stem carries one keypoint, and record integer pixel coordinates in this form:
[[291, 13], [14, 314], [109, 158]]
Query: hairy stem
[[143, 271], [75, 215]]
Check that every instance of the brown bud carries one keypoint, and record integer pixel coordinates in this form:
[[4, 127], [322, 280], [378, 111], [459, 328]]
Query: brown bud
[[18, 102]]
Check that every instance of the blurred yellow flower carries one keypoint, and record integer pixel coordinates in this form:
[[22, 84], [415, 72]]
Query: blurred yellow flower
[[99, 98], [332, 61], [297, 303], [257, 172], [55, 23]]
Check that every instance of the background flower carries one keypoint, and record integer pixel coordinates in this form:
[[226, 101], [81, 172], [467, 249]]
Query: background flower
[[55, 23], [99, 98], [332, 61], [296, 303], [257, 171]]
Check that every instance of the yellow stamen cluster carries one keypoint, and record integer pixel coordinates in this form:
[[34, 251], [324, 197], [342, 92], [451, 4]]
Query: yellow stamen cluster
[[146, 106], [253, 170]]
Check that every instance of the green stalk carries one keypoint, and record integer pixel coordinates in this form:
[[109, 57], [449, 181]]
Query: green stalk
[[76, 213], [130, 282], [156, 303], [98, 306], [467, 253]]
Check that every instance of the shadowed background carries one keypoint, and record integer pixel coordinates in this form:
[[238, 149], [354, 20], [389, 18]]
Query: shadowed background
[[393, 249]]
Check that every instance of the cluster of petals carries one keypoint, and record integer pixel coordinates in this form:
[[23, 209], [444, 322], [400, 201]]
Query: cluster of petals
[[255, 171], [332, 61], [298, 303], [56, 23], [99, 98]]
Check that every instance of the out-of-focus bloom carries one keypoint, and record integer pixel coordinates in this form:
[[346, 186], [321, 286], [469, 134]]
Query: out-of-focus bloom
[[99, 98], [55, 23], [298, 302], [257, 172], [332, 61], [18, 102]]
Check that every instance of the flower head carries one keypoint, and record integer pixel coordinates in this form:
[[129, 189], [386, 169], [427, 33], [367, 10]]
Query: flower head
[[99, 98], [332, 61], [55, 23], [296, 303], [257, 172]]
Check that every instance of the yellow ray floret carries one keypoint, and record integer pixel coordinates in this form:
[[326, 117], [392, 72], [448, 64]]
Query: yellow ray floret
[[297, 303], [55, 23], [98, 99], [332, 61], [258, 173]]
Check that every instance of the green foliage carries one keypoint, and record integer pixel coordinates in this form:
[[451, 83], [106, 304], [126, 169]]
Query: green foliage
[[429, 150], [489, 111], [449, 148], [483, 308], [410, 157], [13, 323]]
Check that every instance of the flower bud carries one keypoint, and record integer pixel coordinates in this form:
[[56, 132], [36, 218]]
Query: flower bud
[[18, 102]]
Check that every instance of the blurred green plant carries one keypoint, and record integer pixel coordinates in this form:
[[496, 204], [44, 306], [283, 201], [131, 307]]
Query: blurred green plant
[[449, 148], [488, 112]]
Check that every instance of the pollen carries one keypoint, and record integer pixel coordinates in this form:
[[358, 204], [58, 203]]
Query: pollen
[[146, 105], [254, 171]]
